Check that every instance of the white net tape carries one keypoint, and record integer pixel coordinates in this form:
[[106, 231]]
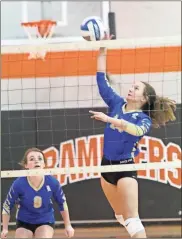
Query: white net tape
[[91, 169], [92, 45]]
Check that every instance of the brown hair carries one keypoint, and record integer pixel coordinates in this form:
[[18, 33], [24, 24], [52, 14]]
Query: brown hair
[[159, 109], [24, 159]]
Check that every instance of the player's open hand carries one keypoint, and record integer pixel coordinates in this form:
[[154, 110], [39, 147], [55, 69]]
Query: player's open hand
[[102, 50], [69, 231], [99, 116], [4, 233]]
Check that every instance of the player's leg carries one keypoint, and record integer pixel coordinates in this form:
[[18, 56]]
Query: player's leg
[[112, 196], [128, 196], [24, 230], [44, 231], [23, 233]]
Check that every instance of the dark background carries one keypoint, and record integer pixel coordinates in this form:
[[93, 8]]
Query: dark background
[[45, 128]]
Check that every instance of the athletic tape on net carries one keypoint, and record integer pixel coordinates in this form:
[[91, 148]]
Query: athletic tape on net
[[91, 169]]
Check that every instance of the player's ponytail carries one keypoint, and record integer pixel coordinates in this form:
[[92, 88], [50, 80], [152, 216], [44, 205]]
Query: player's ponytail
[[163, 112], [160, 109]]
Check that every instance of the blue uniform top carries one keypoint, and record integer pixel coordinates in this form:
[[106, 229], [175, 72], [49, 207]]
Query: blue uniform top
[[35, 204], [118, 144]]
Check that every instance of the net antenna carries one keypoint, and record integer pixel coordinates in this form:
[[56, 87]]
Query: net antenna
[[39, 32]]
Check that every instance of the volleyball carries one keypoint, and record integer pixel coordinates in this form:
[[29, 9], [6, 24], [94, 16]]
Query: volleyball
[[93, 29]]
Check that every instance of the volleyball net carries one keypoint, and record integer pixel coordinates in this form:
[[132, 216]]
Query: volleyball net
[[45, 103]]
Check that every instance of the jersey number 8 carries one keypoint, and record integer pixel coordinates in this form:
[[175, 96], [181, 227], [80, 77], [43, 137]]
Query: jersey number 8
[[37, 202]]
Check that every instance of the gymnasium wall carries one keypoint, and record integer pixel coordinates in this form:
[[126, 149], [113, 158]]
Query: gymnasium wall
[[134, 19], [140, 19], [70, 137]]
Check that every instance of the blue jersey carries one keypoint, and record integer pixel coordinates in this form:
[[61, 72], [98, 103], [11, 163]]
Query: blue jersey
[[118, 144], [35, 204]]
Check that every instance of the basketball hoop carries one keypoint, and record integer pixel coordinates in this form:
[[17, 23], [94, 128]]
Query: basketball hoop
[[39, 32]]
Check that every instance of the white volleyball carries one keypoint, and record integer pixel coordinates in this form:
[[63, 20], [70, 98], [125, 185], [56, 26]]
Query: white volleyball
[[93, 29]]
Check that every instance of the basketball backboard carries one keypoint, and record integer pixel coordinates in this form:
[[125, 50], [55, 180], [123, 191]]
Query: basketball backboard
[[68, 14]]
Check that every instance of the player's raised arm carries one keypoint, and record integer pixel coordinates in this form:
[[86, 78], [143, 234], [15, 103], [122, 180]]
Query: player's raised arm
[[107, 93], [8, 204], [63, 208]]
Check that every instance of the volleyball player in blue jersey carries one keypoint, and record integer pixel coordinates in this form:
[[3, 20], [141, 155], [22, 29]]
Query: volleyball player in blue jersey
[[33, 196], [127, 122]]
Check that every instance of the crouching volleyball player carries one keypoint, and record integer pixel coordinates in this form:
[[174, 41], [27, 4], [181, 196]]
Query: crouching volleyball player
[[128, 121], [33, 196]]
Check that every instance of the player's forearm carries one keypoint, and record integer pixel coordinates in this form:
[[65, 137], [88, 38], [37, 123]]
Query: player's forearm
[[126, 126], [66, 218], [5, 221], [101, 61]]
